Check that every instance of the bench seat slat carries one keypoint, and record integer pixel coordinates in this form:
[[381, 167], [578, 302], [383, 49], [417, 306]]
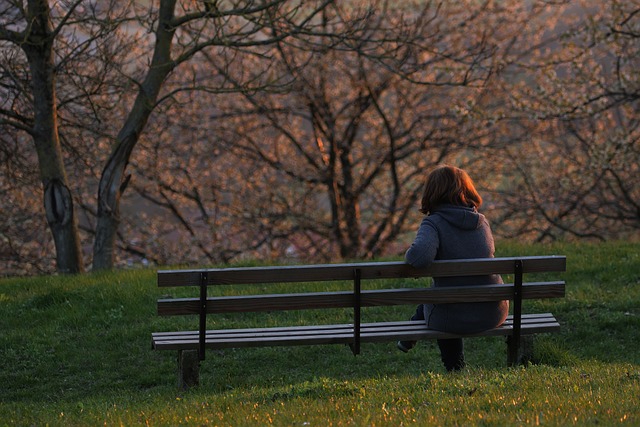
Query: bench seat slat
[[320, 329], [369, 298], [346, 330], [541, 317], [335, 334], [375, 270]]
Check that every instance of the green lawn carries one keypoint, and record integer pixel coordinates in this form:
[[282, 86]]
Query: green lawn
[[77, 351]]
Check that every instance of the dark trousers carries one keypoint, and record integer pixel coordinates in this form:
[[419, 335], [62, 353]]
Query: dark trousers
[[451, 350]]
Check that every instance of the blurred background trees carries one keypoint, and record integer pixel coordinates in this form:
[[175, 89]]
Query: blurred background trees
[[576, 173], [205, 132]]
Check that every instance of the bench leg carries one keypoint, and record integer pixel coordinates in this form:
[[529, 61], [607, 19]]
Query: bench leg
[[524, 353], [188, 369]]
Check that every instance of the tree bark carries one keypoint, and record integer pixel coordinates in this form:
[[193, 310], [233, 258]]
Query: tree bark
[[114, 180], [58, 201]]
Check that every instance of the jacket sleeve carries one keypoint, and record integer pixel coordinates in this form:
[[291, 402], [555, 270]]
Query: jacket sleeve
[[424, 248]]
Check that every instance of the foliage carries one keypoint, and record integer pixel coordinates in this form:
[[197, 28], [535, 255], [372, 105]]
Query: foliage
[[76, 351], [45, 36], [572, 105], [303, 129]]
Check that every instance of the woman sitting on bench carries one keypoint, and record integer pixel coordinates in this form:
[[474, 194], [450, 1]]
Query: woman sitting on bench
[[454, 229]]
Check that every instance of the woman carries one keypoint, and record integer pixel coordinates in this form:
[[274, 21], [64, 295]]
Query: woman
[[453, 229]]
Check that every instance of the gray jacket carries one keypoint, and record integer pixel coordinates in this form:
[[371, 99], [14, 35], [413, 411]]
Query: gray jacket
[[456, 232]]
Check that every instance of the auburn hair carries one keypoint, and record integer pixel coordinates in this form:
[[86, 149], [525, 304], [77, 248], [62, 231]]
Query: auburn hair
[[449, 185]]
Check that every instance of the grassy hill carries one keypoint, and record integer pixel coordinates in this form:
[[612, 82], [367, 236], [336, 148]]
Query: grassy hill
[[76, 351]]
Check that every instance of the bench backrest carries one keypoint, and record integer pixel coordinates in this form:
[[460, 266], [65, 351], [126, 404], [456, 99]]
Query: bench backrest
[[357, 272], [369, 270]]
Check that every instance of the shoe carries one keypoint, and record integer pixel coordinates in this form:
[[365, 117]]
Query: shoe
[[405, 346]]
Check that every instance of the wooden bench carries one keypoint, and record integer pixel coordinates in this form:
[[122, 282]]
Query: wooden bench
[[191, 345]]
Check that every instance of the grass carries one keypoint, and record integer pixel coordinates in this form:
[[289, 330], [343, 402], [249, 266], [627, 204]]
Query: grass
[[76, 351]]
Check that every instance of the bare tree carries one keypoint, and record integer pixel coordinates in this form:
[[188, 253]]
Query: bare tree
[[342, 155], [271, 128], [39, 43], [368, 97], [181, 30], [577, 172]]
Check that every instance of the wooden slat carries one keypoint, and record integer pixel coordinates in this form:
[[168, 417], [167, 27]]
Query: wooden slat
[[335, 334], [256, 303], [530, 325], [375, 270], [369, 298], [244, 333], [461, 294], [257, 331]]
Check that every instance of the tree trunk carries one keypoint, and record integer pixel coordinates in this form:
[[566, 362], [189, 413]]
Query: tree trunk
[[58, 202], [351, 206], [114, 181]]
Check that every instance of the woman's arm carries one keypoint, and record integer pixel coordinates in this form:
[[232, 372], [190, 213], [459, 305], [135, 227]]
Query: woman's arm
[[424, 248]]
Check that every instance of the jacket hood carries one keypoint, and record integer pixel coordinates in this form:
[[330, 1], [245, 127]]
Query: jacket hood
[[461, 217]]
